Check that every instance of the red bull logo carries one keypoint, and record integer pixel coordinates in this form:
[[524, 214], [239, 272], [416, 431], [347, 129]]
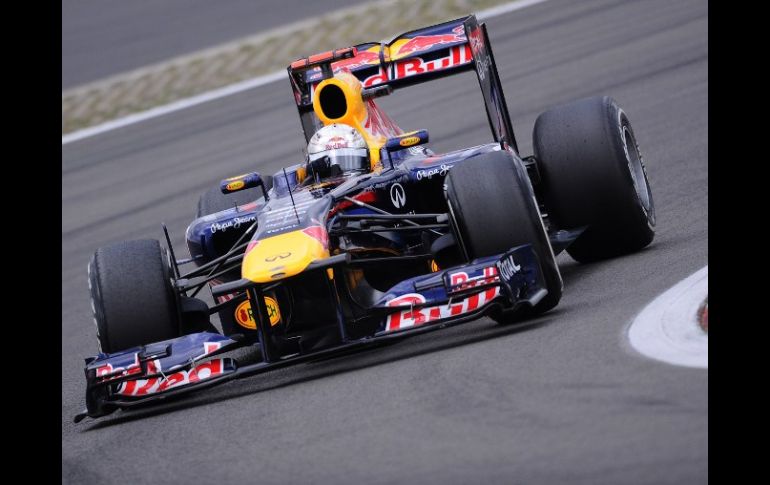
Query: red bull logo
[[402, 48], [154, 385], [413, 317], [336, 142], [400, 63], [363, 58], [457, 56], [108, 372]]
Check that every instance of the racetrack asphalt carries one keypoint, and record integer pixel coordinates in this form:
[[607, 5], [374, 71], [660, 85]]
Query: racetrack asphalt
[[560, 399], [101, 38]]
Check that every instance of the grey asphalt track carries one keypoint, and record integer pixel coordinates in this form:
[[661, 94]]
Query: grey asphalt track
[[562, 399], [105, 37]]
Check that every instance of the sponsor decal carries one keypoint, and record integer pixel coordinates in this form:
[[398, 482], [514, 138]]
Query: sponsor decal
[[425, 42], [377, 186], [237, 185], [272, 258], [508, 267], [273, 313], [336, 142], [235, 223], [409, 141], [245, 317], [370, 56], [397, 195], [154, 385], [413, 317], [402, 65], [460, 281], [209, 347], [107, 372], [429, 173], [457, 56]]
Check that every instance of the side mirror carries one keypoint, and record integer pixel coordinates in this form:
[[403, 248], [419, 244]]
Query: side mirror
[[406, 140], [242, 182]]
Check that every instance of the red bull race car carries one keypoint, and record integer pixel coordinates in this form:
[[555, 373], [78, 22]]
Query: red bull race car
[[373, 236]]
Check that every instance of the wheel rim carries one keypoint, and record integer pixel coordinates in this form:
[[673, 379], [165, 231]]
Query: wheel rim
[[636, 168]]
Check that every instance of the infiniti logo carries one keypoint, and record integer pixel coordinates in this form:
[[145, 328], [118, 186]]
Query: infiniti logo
[[397, 196], [272, 258]]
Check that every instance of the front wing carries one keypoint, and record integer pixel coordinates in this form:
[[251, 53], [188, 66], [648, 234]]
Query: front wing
[[437, 300]]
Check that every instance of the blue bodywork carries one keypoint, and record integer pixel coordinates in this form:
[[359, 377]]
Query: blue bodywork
[[410, 182], [149, 372]]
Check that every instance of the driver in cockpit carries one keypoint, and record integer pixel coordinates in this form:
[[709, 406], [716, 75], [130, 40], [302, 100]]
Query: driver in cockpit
[[337, 150]]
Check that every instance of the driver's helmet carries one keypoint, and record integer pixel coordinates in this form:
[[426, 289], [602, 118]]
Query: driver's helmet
[[337, 149]]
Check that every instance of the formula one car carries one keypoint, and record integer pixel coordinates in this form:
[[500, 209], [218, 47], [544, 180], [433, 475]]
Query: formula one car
[[373, 236]]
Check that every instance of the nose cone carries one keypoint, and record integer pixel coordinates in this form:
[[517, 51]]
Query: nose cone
[[281, 256]]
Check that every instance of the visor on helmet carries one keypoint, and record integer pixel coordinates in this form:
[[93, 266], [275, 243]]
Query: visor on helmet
[[348, 159]]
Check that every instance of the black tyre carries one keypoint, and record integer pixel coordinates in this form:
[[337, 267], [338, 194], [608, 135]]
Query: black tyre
[[213, 200], [131, 295], [493, 209], [593, 175]]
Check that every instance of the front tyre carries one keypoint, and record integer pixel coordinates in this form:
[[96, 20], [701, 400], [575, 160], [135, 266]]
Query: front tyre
[[493, 208], [593, 175], [132, 299]]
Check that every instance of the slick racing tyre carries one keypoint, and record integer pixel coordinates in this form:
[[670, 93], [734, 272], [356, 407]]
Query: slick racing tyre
[[593, 175], [131, 295], [213, 200], [493, 210]]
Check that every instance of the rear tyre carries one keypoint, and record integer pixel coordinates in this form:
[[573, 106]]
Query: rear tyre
[[493, 209], [213, 200], [593, 175], [132, 299]]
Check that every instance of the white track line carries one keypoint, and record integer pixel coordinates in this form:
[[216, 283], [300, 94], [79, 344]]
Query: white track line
[[667, 329], [505, 8], [238, 87]]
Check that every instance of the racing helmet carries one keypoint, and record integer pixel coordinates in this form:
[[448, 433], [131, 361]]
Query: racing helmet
[[337, 149]]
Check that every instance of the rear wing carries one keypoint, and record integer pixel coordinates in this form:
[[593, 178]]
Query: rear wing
[[412, 58]]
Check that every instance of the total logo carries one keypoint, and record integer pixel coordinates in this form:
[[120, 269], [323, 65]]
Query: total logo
[[244, 316], [508, 267]]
